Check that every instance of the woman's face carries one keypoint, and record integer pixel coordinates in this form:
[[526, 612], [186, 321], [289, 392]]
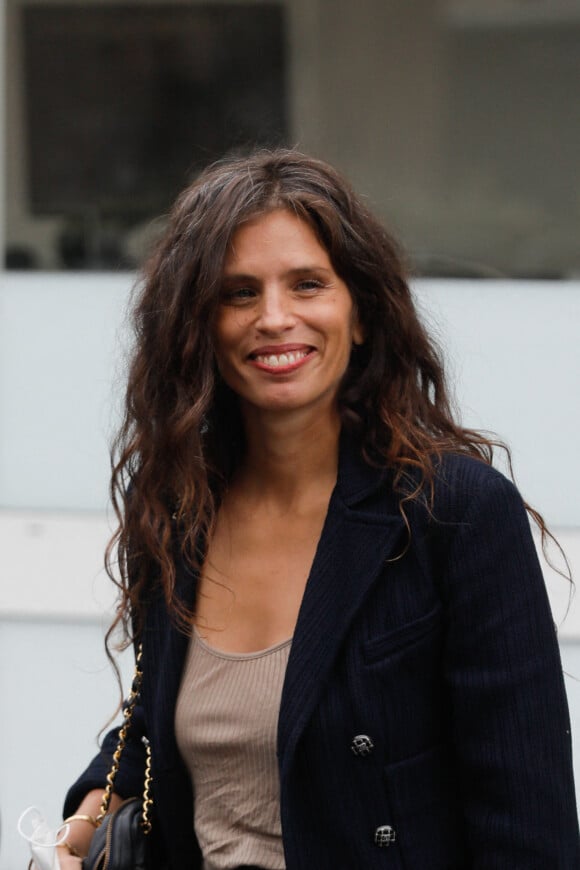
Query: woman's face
[[286, 322]]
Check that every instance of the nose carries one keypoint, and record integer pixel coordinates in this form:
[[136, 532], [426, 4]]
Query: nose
[[275, 311]]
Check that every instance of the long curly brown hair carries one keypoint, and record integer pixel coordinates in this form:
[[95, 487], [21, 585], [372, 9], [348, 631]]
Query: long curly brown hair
[[182, 436]]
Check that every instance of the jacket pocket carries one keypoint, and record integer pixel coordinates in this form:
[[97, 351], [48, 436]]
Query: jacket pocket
[[403, 636]]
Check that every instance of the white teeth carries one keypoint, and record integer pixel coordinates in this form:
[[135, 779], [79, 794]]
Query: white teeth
[[283, 359]]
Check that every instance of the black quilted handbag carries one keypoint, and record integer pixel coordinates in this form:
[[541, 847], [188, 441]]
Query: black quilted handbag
[[119, 843]]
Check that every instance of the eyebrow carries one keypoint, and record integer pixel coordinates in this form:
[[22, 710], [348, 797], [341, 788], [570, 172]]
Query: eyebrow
[[289, 273]]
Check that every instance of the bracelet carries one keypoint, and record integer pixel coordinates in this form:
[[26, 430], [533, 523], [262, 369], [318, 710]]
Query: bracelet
[[80, 817]]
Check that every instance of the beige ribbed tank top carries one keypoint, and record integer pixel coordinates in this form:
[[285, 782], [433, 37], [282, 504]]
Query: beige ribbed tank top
[[226, 723]]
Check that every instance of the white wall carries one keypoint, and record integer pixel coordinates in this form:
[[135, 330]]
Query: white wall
[[57, 692], [512, 348], [61, 347]]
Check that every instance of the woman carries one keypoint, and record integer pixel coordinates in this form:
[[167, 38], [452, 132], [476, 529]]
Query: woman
[[348, 653]]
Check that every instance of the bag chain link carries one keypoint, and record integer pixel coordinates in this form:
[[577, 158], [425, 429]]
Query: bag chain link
[[123, 731]]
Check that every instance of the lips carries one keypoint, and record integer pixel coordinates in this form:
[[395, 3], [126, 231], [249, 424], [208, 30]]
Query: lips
[[283, 357]]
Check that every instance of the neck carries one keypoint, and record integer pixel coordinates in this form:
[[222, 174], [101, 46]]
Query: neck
[[288, 457]]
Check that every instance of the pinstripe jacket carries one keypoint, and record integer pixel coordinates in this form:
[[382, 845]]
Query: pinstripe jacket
[[423, 722]]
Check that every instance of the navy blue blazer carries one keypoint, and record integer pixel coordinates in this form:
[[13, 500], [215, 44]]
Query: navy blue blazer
[[423, 723]]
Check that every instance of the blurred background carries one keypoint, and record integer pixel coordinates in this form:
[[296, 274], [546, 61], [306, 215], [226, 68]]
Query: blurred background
[[457, 119]]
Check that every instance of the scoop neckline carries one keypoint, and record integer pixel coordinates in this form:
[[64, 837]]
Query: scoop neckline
[[239, 656]]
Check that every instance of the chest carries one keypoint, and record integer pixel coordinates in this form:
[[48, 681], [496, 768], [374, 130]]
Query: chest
[[253, 579]]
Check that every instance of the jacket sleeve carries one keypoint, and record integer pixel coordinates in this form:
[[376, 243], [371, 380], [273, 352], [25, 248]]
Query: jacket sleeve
[[511, 726], [130, 777]]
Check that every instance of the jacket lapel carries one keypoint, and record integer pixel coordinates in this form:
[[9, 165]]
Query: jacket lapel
[[164, 652], [361, 531]]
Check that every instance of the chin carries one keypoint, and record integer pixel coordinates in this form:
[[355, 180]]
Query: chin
[[286, 404]]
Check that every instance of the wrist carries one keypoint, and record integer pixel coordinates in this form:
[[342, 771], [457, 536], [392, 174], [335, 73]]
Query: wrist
[[78, 831], [69, 849]]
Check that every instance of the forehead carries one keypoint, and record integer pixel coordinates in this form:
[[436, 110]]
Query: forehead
[[278, 236]]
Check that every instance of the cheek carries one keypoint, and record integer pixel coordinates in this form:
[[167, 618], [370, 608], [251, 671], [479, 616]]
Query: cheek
[[220, 352], [226, 370], [228, 347], [230, 329], [223, 336]]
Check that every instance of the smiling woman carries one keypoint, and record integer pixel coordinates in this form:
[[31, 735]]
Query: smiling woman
[[348, 654], [286, 324]]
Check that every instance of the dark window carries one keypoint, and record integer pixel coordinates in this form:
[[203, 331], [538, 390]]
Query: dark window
[[124, 104]]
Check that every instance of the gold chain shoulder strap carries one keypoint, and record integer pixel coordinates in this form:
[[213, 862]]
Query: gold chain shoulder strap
[[123, 731]]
